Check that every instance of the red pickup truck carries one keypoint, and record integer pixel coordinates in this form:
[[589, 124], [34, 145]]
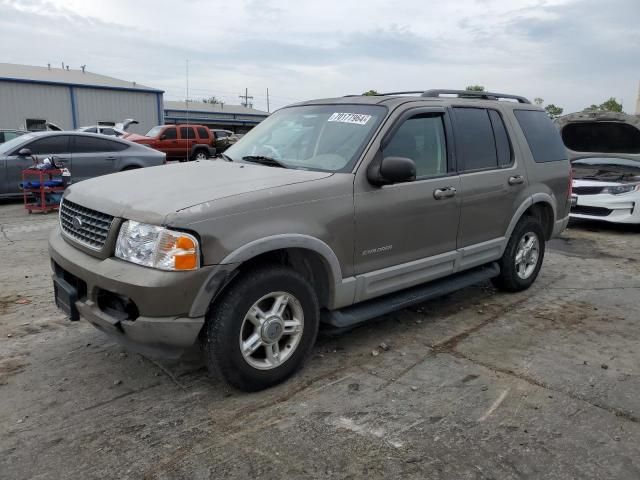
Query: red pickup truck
[[179, 142]]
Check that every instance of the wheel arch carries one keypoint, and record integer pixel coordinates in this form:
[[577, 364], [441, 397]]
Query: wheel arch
[[539, 205], [307, 255]]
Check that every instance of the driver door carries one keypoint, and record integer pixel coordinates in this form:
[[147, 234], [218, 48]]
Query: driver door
[[48, 145], [406, 232]]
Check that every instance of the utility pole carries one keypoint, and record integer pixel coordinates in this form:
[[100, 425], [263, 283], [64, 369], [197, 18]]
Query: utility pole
[[246, 99], [268, 111]]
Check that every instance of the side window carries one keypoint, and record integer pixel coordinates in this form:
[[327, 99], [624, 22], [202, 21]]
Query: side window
[[503, 145], [51, 144], [187, 133], [170, 133], [108, 131], [475, 144], [542, 136], [84, 144], [421, 138], [91, 130], [203, 133]]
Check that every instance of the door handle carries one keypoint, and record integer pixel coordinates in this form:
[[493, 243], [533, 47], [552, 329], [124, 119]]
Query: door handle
[[111, 158], [516, 180], [446, 192]]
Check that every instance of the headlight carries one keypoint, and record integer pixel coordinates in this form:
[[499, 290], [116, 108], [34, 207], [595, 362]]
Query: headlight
[[157, 247], [620, 189]]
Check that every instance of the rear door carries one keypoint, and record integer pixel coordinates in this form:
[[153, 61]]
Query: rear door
[[493, 181], [93, 156], [187, 141], [47, 146]]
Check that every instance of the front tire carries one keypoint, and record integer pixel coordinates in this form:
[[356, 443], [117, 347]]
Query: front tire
[[523, 256], [262, 329]]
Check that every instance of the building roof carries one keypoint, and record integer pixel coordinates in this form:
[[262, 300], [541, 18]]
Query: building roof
[[59, 76], [213, 108]]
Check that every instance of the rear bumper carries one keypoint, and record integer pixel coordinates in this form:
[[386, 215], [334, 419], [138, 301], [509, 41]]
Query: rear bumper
[[559, 226]]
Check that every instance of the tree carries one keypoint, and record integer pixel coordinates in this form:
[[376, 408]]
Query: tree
[[370, 93], [553, 111], [475, 88], [212, 100], [610, 105], [538, 101]]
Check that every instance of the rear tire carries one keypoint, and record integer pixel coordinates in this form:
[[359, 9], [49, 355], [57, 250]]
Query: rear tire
[[262, 329], [200, 154], [523, 256]]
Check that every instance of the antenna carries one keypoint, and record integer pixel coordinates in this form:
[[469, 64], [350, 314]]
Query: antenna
[[246, 97]]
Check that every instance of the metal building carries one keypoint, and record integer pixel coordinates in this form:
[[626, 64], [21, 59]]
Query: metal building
[[236, 118], [69, 98]]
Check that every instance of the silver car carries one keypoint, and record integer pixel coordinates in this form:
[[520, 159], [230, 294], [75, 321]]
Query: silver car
[[86, 155]]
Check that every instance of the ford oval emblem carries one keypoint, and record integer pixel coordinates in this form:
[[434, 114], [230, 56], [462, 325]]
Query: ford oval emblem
[[77, 223]]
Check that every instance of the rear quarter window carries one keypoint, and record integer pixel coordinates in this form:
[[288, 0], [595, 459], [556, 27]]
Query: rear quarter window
[[542, 136], [203, 133]]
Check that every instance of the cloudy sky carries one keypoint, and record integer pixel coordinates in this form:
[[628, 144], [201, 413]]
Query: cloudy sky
[[570, 52]]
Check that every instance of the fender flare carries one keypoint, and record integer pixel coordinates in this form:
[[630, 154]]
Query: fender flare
[[224, 271], [533, 199]]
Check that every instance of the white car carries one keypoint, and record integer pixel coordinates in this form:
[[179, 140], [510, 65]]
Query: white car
[[607, 189]]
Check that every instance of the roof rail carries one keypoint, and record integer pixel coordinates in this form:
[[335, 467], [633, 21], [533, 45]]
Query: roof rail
[[474, 94]]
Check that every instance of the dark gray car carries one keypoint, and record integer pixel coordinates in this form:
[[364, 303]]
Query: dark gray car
[[332, 211], [86, 155]]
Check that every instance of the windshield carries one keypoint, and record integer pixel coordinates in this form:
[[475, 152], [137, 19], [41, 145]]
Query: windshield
[[8, 146], [154, 132], [313, 137]]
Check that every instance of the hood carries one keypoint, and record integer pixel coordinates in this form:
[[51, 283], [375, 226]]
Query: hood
[[126, 123], [134, 137], [597, 134], [150, 194], [606, 169]]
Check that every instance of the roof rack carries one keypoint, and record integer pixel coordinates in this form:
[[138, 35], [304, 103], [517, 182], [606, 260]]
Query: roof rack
[[474, 94]]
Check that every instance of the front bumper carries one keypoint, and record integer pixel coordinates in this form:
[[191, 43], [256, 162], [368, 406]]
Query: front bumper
[[163, 300], [608, 208]]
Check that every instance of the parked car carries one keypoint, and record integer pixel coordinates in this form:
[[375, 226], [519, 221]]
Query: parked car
[[8, 134], [333, 211], [223, 139], [604, 148], [607, 189], [117, 130], [179, 142], [86, 155]]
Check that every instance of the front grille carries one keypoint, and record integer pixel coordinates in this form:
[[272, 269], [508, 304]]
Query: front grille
[[594, 211], [587, 190], [91, 227]]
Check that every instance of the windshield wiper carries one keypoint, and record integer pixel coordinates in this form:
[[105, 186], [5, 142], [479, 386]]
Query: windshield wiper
[[262, 160], [226, 157]]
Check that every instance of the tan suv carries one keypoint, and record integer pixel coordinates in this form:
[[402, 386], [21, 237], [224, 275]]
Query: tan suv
[[330, 211]]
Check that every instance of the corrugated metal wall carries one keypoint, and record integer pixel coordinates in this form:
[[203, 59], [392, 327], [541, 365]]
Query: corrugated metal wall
[[19, 101], [95, 105]]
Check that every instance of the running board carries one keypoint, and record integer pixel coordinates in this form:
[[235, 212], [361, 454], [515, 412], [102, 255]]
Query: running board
[[354, 315]]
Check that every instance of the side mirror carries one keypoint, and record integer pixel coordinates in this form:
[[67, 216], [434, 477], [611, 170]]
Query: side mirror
[[24, 152], [163, 137], [392, 170]]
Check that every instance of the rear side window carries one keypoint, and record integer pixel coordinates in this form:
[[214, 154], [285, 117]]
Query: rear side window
[[503, 146], [187, 133], [94, 145], [475, 144], [203, 133], [542, 136], [604, 137]]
